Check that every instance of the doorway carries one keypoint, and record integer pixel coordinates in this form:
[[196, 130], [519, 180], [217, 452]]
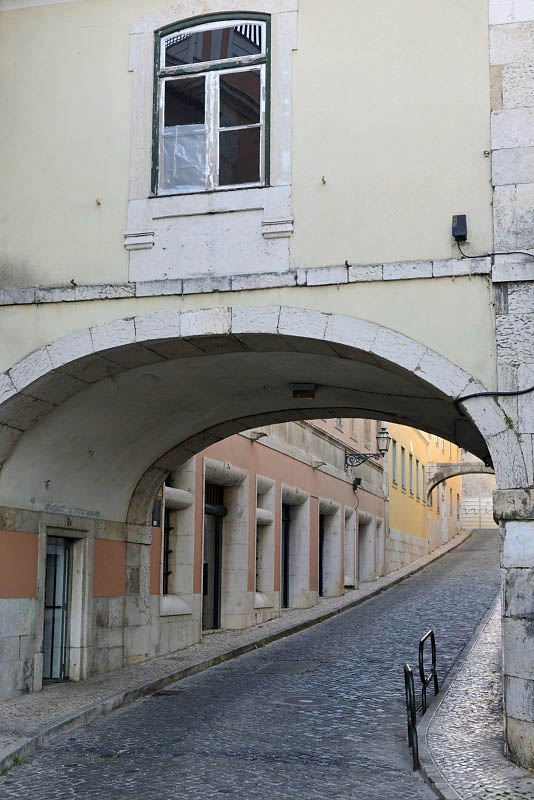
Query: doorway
[[321, 554], [284, 555], [366, 547], [57, 609], [214, 512]]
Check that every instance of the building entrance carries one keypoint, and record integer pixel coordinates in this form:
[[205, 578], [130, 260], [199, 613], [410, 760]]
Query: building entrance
[[284, 555], [214, 511], [57, 609], [321, 555]]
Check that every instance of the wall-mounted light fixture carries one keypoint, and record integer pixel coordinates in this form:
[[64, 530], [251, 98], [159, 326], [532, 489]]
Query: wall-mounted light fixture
[[303, 391], [355, 458], [255, 435]]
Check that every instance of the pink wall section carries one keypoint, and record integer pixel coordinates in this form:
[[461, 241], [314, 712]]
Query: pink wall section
[[259, 459], [18, 564], [109, 579], [155, 560]]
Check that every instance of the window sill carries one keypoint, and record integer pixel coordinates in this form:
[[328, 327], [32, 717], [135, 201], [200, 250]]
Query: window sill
[[262, 600], [172, 605], [204, 192]]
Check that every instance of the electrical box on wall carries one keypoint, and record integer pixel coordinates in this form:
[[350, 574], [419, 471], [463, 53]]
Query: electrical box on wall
[[459, 227]]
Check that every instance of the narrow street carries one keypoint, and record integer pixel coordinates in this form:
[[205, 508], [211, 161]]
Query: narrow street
[[318, 715]]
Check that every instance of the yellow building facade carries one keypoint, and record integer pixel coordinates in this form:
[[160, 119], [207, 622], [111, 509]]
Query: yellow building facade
[[418, 525]]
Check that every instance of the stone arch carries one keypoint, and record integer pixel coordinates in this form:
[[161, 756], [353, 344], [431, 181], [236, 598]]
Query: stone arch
[[446, 471], [75, 413]]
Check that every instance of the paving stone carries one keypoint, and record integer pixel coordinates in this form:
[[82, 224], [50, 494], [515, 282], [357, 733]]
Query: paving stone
[[466, 738], [317, 715]]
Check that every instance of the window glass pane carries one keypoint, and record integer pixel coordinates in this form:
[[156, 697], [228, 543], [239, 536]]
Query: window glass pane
[[213, 45], [239, 156], [239, 98], [184, 135], [185, 102]]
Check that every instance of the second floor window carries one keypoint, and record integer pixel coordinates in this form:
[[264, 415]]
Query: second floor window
[[210, 110]]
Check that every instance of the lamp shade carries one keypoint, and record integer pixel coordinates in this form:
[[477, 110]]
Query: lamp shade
[[382, 441]]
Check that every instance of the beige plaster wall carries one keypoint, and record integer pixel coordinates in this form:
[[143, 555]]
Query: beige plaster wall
[[65, 133], [392, 107], [454, 316]]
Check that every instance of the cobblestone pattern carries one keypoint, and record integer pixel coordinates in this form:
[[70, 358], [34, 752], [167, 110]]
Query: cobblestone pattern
[[25, 715], [318, 715], [465, 737]]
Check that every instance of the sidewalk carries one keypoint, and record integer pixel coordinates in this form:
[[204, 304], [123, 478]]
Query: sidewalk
[[461, 736], [29, 721]]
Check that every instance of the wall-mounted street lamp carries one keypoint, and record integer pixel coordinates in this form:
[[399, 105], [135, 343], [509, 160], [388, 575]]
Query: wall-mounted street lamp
[[383, 440], [255, 435]]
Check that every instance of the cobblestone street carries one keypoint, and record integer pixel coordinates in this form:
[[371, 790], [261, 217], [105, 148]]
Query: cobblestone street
[[318, 715]]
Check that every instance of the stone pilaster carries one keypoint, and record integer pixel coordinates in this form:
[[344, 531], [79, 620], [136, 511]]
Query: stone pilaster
[[514, 509]]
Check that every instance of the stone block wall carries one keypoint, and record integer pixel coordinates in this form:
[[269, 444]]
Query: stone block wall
[[402, 548]]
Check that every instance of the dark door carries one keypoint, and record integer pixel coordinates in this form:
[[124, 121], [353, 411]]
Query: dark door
[[56, 609], [214, 511], [284, 556], [321, 555]]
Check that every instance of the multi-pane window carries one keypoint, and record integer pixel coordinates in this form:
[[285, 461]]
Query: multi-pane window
[[417, 478], [367, 434], [450, 501], [423, 482], [339, 423], [354, 428], [458, 509], [394, 472], [403, 467], [211, 107], [411, 473]]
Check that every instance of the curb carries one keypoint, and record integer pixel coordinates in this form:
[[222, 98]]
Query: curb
[[429, 769], [27, 746]]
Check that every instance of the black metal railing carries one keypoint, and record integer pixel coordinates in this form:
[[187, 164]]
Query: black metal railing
[[411, 713], [433, 676], [411, 706]]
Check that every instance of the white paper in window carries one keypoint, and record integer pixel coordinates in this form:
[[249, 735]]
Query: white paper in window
[[184, 158]]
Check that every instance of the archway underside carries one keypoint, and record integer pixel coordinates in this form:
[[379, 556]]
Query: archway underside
[[141, 409]]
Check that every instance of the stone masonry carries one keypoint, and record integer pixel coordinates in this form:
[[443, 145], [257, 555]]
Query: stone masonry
[[512, 137]]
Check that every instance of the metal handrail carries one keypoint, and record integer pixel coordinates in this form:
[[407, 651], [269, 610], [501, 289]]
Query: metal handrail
[[411, 714], [433, 676], [409, 688]]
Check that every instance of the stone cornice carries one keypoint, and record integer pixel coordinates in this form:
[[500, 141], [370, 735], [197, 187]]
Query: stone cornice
[[205, 284]]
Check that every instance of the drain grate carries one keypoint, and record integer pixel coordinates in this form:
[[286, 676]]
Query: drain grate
[[168, 692]]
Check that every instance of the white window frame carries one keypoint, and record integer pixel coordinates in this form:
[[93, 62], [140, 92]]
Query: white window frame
[[394, 465], [210, 71]]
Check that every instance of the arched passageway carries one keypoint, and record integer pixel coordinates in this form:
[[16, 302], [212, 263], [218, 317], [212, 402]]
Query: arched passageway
[[106, 413], [445, 471], [92, 424]]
